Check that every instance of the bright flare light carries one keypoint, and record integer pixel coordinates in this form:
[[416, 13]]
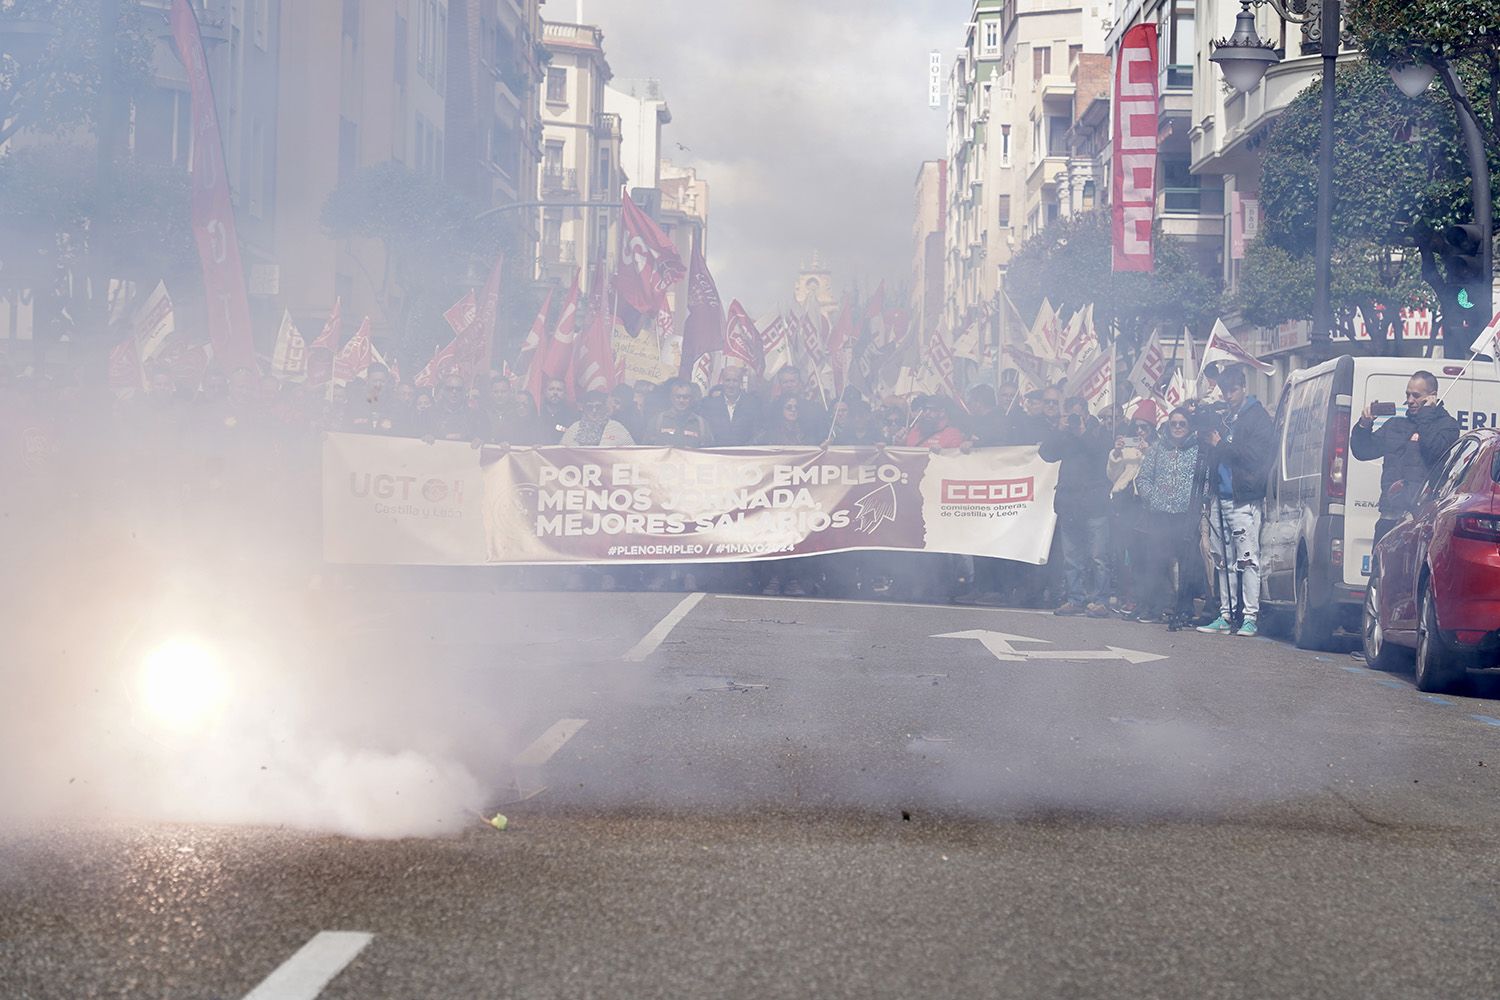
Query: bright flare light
[[183, 683]]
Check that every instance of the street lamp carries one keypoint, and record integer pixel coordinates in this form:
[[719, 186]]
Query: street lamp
[[1244, 59], [1413, 79]]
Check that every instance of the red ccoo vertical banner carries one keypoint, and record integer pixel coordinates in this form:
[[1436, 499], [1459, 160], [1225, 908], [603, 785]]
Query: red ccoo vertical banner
[[1133, 184], [213, 215]]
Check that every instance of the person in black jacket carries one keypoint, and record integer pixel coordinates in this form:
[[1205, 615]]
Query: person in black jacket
[[1239, 461], [1082, 445], [733, 416], [1412, 446]]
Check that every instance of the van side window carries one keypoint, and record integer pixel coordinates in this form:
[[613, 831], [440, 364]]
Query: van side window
[[1306, 424]]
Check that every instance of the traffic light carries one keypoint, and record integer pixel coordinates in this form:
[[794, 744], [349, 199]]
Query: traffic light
[[1463, 259]]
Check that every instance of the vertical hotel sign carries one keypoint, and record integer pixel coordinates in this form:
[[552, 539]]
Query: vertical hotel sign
[[213, 215], [1133, 184], [935, 79]]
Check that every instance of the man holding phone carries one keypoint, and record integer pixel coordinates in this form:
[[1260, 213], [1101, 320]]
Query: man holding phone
[[1411, 446]]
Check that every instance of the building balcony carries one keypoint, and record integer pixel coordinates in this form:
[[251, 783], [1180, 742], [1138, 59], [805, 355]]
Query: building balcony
[[559, 180], [575, 35], [559, 252], [1191, 201], [1177, 78], [1041, 176]]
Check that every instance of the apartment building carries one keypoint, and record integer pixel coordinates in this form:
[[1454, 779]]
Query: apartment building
[[926, 302], [581, 144]]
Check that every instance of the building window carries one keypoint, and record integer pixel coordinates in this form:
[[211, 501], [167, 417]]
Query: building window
[[1004, 201], [351, 20], [1074, 53], [440, 53], [552, 157], [1052, 209], [1041, 61], [262, 17], [1180, 38], [605, 181], [557, 85], [1057, 135], [991, 36], [424, 35], [257, 170], [421, 145], [1005, 145], [399, 63]]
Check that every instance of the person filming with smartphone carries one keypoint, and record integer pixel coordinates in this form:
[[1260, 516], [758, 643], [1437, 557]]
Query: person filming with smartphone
[[1411, 446]]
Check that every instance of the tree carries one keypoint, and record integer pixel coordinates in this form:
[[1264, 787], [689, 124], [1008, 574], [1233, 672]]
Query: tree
[[1399, 175], [1069, 264], [436, 244], [54, 208], [1465, 33], [54, 66]]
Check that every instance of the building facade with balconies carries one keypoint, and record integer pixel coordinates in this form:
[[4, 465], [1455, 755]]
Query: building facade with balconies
[[581, 142]]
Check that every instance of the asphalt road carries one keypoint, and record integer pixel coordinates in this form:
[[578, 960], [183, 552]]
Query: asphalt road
[[741, 797]]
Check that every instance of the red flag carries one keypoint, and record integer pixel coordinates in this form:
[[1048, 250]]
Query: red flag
[[428, 376], [533, 350], [841, 345], [593, 365], [212, 210], [460, 315], [559, 354], [351, 362], [1133, 177], [320, 353], [703, 331], [742, 340], [649, 262]]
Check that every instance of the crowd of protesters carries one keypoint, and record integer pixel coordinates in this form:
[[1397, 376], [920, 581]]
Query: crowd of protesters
[[1151, 507]]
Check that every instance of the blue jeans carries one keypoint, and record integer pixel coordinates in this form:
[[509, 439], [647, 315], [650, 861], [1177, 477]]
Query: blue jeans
[[1085, 557]]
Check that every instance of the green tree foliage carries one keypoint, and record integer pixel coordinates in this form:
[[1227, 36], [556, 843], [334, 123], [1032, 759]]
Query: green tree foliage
[[1399, 175], [1463, 32], [1069, 264], [436, 246], [53, 63], [58, 221]]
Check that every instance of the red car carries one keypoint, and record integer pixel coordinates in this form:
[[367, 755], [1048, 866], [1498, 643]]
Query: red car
[[1435, 581]]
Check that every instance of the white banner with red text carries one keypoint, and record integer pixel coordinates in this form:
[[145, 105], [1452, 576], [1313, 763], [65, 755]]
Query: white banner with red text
[[400, 501]]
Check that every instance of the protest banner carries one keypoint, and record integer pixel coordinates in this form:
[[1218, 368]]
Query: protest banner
[[389, 501]]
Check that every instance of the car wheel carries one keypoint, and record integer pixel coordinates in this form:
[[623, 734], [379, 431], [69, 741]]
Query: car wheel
[[1379, 654], [1438, 668], [1312, 627]]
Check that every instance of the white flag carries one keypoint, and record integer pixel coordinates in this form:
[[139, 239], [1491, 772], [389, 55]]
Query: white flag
[[1222, 347], [289, 358]]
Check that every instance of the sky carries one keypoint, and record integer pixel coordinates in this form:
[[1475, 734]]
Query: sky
[[808, 120]]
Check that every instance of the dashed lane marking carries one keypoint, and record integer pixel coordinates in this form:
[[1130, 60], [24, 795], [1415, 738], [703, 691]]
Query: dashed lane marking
[[303, 976], [1387, 682], [544, 746], [1488, 720], [1437, 700], [663, 628]]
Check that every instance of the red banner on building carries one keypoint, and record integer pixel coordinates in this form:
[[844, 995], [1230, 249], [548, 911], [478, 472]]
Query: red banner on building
[[213, 215], [1133, 180]]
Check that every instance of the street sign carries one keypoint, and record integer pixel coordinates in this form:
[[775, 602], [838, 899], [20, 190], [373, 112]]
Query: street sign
[[1001, 645]]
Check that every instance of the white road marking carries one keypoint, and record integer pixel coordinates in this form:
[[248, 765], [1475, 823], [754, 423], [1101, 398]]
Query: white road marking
[[303, 976], [544, 746], [878, 604], [999, 645], [663, 628]]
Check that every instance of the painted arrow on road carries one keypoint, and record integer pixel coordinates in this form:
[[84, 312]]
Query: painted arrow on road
[[1000, 645]]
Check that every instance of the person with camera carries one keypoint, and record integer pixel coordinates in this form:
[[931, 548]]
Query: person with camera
[[1411, 446], [1241, 440], [1082, 445]]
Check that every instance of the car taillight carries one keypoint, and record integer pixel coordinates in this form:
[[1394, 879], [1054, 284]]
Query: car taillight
[[1338, 459], [1480, 527], [1336, 552]]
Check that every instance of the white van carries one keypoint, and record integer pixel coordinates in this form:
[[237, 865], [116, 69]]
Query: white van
[[1321, 504]]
